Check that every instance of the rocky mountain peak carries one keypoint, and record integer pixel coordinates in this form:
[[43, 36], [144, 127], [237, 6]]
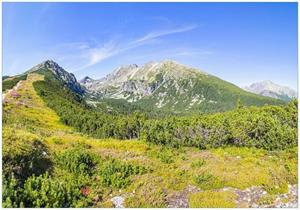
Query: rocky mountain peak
[[60, 73], [51, 64]]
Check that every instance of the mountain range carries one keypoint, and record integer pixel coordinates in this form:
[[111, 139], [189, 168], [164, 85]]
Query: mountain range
[[166, 86], [169, 85], [268, 88]]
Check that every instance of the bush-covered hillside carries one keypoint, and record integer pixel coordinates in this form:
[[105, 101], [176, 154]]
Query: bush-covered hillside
[[268, 127], [48, 163]]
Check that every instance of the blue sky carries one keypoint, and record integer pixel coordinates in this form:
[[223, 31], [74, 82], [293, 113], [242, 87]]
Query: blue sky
[[239, 42]]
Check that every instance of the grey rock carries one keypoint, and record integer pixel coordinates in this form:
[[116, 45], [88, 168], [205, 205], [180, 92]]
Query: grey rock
[[118, 201]]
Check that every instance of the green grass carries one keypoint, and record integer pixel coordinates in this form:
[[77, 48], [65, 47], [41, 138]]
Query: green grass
[[211, 199]]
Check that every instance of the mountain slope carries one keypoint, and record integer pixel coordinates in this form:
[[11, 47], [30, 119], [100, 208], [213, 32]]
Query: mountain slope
[[268, 88], [171, 86], [67, 78]]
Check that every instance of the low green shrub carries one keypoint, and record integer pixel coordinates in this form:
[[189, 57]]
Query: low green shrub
[[117, 174], [77, 160], [11, 193], [165, 156], [45, 191]]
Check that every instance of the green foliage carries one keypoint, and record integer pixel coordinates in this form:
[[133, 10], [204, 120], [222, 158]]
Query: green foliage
[[239, 104], [165, 155], [77, 160], [268, 127], [9, 83], [117, 174], [12, 196], [44, 191]]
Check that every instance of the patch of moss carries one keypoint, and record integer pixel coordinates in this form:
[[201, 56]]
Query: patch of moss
[[212, 199]]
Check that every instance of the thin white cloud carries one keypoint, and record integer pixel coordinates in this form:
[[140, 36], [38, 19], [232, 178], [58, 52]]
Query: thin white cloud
[[158, 34], [88, 55]]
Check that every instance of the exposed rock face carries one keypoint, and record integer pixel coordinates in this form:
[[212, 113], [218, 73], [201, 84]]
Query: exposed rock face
[[268, 88], [61, 74], [132, 82]]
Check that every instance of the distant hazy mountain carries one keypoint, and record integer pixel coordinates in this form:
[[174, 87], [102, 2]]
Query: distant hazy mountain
[[171, 86], [268, 88]]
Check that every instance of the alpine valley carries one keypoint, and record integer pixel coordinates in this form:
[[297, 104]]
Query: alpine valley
[[158, 135]]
